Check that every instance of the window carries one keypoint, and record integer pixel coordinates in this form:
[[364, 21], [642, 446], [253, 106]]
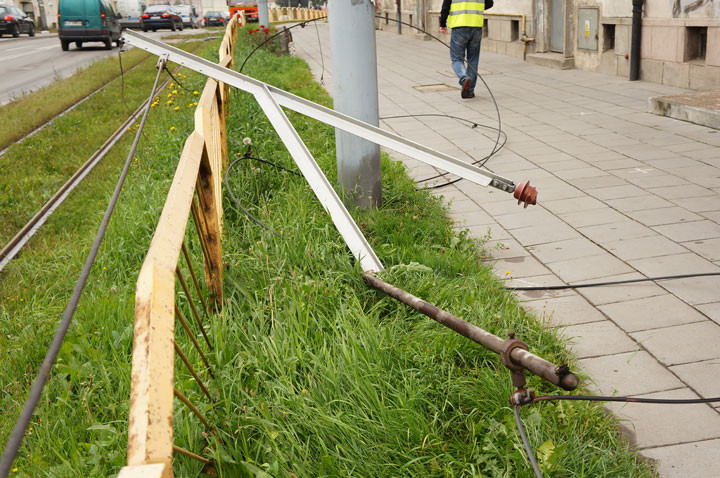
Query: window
[[485, 27], [514, 30], [608, 36], [695, 43]]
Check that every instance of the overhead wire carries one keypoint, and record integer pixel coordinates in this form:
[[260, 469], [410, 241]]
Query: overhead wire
[[13, 444]]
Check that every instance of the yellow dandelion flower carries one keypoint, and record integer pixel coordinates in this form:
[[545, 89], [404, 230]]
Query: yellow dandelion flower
[[177, 108], [303, 391], [195, 103], [15, 470], [172, 128], [195, 92], [169, 102], [174, 92], [169, 95], [104, 268]]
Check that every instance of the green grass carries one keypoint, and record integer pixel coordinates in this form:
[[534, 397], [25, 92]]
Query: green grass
[[322, 376], [80, 428], [317, 375], [21, 116]]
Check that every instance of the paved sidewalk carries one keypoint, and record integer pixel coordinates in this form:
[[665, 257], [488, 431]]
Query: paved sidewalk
[[622, 194]]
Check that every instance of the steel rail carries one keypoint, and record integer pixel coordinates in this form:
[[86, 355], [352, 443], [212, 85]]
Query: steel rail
[[559, 376]]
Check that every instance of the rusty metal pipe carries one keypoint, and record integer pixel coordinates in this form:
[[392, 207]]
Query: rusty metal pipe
[[557, 375]]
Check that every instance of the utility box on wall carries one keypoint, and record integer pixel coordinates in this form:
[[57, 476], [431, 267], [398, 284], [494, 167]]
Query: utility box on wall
[[587, 28]]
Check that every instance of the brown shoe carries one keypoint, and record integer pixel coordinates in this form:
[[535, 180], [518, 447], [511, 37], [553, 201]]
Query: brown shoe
[[465, 92]]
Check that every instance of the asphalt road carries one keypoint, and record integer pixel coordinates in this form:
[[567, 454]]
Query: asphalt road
[[27, 64]]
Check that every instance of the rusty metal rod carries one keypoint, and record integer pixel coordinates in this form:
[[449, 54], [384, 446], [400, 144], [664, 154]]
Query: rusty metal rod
[[529, 361], [190, 454], [193, 339], [189, 366], [192, 407], [192, 306], [199, 230], [195, 279]]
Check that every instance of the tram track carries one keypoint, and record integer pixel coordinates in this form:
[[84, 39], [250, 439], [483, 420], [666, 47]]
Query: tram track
[[13, 247]]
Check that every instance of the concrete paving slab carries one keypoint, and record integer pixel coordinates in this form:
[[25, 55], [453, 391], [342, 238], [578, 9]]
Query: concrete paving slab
[[544, 233], [504, 249], [585, 268], [651, 313], [707, 248], [638, 203], [633, 373], [702, 377], [644, 247], [488, 231], [684, 263], [665, 215], [596, 339], [567, 310], [473, 218], [695, 291], [579, 204], [712, 310], [592, 218], [659, 425], [620, 293], [665, 343], [690, 231], [616, 192], [565, 250], [518, 267], [604, 233], [688, 460]]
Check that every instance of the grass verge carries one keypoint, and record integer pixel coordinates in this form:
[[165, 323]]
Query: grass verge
[[321, 376]]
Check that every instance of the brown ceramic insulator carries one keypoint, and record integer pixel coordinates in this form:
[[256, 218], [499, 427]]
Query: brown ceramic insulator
[[525, 193]]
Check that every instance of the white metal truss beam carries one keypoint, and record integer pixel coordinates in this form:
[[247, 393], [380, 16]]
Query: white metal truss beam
[[271, 99], [318, 182], [321, 113]]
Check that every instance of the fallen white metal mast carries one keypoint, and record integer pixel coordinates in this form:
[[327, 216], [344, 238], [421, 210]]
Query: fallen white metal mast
[[271, 99]]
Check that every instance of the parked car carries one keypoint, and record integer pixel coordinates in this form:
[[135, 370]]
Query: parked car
[[82, 21], [14, 21], [215, 18], [160, 16], [189, 15]]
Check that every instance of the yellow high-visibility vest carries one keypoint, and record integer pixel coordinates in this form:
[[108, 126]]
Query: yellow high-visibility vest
[[466, 14]]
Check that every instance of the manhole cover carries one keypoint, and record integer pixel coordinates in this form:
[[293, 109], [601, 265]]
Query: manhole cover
[[434, 88]]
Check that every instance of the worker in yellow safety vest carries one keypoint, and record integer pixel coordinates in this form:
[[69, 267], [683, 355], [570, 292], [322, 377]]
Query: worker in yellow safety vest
[[465, 19]]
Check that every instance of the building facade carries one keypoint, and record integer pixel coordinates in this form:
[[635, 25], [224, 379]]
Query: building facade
[[680, 39]]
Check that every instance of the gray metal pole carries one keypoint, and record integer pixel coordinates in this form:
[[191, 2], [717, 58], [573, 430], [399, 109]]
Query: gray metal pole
[[263, 17], [355, 93]]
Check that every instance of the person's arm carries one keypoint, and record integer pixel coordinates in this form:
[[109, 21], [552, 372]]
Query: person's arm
[[444, 12]]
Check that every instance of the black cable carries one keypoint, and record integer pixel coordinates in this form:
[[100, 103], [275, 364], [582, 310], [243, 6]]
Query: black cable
[[616, 282], [322, 58], [458, 118], [18, 433], [526, 442], [173, 77], [482, 161], [235, 199], [592, 398]]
